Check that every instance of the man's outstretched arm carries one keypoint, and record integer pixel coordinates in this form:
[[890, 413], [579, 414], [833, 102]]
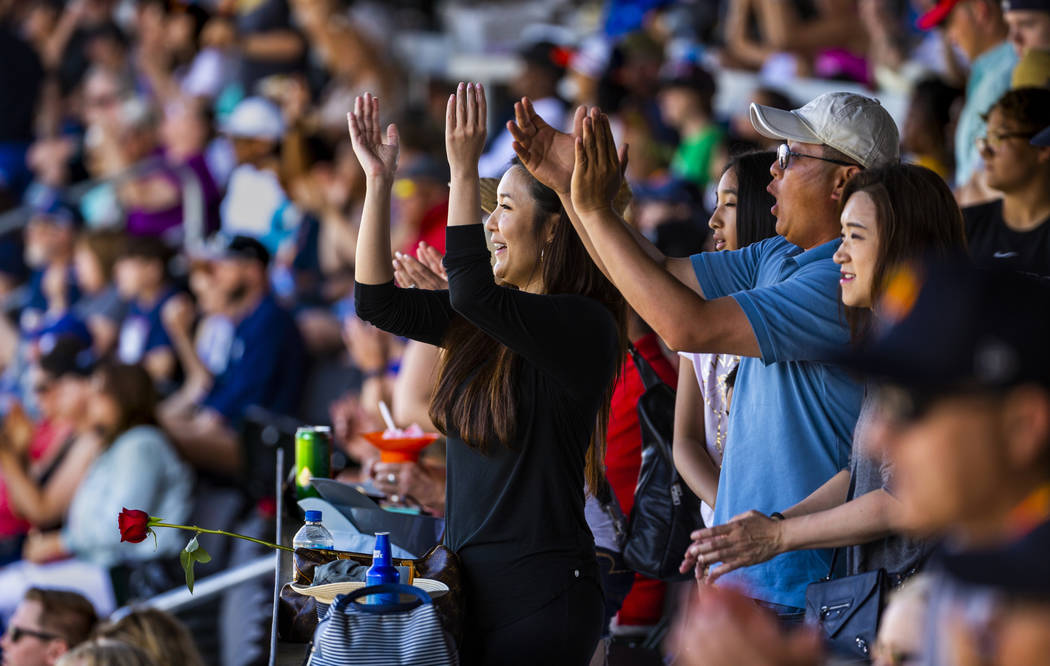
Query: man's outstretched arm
[[681, 316], [549, 156]]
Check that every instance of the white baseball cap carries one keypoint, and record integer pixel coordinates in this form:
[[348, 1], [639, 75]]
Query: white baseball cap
[[255, 118], [854, 125]]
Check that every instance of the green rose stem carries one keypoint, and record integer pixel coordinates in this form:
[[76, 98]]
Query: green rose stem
[[201, 530]]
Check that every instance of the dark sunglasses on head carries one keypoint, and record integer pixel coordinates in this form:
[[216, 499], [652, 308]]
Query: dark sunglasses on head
[[16, 634], [784, 155]]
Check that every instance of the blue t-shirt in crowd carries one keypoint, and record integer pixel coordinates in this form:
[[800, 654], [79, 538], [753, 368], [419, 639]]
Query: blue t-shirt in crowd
[[142, 330], [266, 365], [792, 416]]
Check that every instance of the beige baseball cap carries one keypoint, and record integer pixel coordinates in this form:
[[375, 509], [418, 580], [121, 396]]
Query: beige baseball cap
[[855, 125]]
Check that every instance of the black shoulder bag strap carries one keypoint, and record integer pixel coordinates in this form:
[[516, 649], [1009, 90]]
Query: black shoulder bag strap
[[645, 371], [835, 552]]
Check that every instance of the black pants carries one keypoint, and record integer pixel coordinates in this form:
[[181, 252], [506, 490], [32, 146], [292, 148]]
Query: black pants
[[565, 631]]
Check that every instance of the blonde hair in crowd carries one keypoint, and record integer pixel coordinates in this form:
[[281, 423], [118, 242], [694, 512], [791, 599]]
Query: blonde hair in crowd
[[159, 634], [106, 652]]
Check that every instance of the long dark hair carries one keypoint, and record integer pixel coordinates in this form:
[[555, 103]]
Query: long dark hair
[[754, 221], [476, 391], [131, 387], [917, 217]]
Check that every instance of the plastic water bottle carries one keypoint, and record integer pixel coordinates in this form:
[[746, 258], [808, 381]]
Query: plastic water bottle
[[382, 570], [313, 534]]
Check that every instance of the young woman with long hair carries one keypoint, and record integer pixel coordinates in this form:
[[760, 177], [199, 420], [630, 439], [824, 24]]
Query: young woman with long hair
[[531, 345], [741, 217], [888, 216]]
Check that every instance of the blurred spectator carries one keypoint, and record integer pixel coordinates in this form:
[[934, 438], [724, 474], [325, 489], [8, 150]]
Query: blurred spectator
[[173, 194], [686, 95], [266, 42], [266, 364], [20, 79], [977, 28], [99, 306], [543, 65], [49, 239], [47, 624], [42, 464], [201, 334], [141, 274], [159, 634], [420, 207], [138, 468], [741, 129], [969, 439], [669, 215], [926, 137], [106, 652], [1029, 24], [797, 39], [256, 204], [1032, 71], [1014, 231], [355, 61]]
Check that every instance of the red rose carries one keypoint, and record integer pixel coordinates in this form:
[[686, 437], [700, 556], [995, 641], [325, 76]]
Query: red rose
[[134, 525]]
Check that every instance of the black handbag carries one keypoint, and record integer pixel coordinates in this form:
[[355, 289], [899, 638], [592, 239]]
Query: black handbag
[[665, 510], [848, 609]]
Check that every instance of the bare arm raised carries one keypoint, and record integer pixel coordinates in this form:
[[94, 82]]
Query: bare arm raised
[[549, 155], [378, 158], [682, 317]]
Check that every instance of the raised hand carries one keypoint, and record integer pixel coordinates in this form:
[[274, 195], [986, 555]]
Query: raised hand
[[547, 153], [598, 171], [412, 272], [378, 158], [465, 117]]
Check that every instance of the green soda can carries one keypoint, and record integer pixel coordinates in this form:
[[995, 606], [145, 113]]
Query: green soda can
[[313, 458]]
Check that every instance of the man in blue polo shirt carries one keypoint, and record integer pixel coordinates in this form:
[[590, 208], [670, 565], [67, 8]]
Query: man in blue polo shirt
[[265, 367], [775, 303]]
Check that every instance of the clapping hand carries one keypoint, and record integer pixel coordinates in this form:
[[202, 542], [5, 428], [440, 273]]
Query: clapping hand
[[377, 158], [547, 153], [465, 118], [598, 171], [423, 271]]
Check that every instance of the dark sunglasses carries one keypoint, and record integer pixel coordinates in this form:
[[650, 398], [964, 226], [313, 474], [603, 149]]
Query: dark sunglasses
[[16, 634], [784, 155]]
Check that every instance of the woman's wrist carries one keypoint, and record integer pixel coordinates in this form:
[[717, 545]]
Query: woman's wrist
[[464, 174], [375, 182]]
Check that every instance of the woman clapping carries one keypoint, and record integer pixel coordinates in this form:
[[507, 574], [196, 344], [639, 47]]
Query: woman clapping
[[531, 346]]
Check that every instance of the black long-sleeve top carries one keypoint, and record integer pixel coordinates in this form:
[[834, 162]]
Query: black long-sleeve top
[[515, 514]]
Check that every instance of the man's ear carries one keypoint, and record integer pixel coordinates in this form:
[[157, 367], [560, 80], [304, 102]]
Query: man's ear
[[1026, 420], [1043, 155], [55, 650], [842, 176]]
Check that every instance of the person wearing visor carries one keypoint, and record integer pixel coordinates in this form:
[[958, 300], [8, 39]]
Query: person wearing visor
[[774, 303]]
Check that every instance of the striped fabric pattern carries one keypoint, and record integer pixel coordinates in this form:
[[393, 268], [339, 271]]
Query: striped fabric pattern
[[348, 635]]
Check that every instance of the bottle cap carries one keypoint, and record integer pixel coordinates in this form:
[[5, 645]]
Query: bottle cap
[[313, 516]]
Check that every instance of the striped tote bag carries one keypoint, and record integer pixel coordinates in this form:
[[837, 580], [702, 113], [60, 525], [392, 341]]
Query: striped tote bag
[[391, 634]]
